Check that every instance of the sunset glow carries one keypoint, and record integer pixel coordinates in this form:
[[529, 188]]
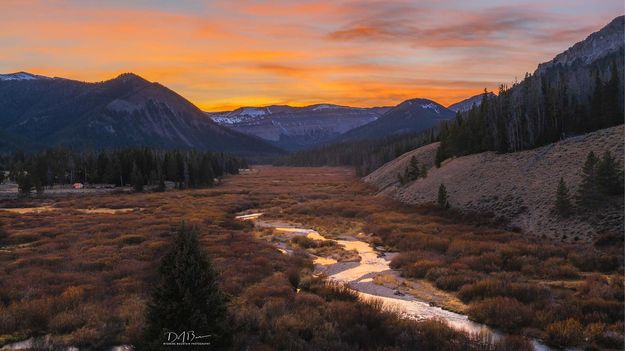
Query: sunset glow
[[224, 54]]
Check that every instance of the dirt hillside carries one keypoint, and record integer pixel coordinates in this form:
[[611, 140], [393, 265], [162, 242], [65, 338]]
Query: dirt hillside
[[519, 187]]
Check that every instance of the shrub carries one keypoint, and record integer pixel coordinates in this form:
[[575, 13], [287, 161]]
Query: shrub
[[420, 268], [589, 262], [486, 262], [504, 312], [558, 268], [564, 333], [513, 343], [491, 287], [66, 322], [463, 247]]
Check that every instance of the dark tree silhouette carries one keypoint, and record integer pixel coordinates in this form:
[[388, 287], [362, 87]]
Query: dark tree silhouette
[[187, 297], [563, 199], [443, 198], [588, 193]]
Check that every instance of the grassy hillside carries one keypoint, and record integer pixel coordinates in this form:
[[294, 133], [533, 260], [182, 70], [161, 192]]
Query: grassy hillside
[[519, 188]]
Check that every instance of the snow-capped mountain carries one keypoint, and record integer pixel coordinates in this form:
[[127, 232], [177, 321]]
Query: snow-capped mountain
[[296, 128], [21, 76], [411, 116], [466, 104]]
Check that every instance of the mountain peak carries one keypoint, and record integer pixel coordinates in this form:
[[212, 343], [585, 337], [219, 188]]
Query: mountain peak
[[21, 76], [130, 77], [596, 45]]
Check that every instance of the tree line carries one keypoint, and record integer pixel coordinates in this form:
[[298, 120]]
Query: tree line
[[136, 166], [550, 105], [365, 155]]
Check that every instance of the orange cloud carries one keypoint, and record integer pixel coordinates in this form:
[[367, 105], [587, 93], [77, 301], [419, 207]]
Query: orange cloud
[[225, 54]]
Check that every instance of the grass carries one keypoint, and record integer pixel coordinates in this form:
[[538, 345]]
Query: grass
[[58, 267], [84, 278]]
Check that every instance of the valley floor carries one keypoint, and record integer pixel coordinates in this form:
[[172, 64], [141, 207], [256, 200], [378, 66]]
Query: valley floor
[[83, 276]]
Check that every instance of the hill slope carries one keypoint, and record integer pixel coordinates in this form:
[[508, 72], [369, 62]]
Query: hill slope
[[410, 116], [296, 128], [121, 112], [519, 187]]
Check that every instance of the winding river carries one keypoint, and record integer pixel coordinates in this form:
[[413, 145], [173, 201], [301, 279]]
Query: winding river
[[359, 276]]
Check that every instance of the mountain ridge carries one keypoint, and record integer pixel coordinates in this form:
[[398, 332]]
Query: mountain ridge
[[296, 128], [124, 111]]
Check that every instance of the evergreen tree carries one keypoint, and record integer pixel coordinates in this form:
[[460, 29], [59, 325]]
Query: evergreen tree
[[187, 297], [588, 193], [401, 179], [24, 183], [137, 179], [609, 175], [424, 171], [414, 171], [440, 155], [563, 200], [443, 199]]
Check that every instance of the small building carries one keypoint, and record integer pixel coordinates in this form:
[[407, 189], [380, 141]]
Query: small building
[[78, 186]]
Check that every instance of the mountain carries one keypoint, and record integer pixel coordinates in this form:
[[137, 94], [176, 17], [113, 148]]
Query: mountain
[[410, 116], [295, 128], [608, 40], [467, 104], [126, 111], [581, 90], [21, 76]]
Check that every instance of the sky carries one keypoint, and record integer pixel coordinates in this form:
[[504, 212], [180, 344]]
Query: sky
[[223, 54]]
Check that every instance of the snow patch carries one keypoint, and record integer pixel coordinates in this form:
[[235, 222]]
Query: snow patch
[[431, 106], [19, 76], [253, 111], [323, 107]]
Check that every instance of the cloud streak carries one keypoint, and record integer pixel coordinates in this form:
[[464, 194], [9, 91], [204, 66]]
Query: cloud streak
[[230, 53]]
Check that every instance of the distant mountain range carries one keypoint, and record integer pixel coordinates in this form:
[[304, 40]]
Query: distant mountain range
[[295, 128], [467, 104], [37, 111]]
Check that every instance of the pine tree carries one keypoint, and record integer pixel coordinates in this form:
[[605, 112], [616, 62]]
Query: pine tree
[[414, 171], [24, 183], [424, 171], [187, 297], [137, 179], [401, 179], [443, 199], [609, 175], [440, 155], [563, 200], [588, 193]]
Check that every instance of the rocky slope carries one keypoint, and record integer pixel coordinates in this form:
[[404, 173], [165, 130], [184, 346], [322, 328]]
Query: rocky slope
[[126, 111], [597, 45], [295, 128], [518, 187]]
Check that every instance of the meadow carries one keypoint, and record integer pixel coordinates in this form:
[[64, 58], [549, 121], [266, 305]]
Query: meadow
[[84, 277]]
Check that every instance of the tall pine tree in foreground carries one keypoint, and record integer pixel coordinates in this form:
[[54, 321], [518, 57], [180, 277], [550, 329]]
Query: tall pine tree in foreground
[[187, 297], [563, 200]]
